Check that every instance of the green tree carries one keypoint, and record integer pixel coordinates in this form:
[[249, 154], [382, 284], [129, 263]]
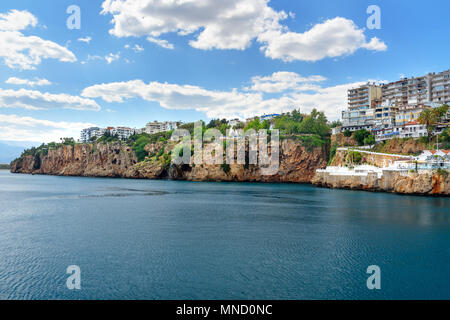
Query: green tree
[[139, 147], [240, 125], [441, 112], [335, 124], [347, 133], [254, 124], [360, 135], [369, 140], [444, 139], [429, 118], [68, 141], [315, 123]]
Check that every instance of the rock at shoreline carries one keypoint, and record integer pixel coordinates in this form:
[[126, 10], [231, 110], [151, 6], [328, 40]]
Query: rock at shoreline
[[411, 183]]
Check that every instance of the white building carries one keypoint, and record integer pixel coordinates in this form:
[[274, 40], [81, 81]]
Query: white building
[[157, 127], [90, 133], [361, 102], [411, 130], [123, 133]]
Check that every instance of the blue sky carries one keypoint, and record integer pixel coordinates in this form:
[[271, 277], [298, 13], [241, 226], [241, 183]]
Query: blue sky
[[201, 60]]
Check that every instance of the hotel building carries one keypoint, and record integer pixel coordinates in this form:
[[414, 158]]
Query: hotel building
[[361, 103], [383, 108]]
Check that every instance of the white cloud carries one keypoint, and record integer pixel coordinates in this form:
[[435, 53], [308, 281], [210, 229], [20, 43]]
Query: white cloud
[[36, 82], [375, 44], [86, 39], [138, 48], [230, 24], [17, 128], [26, 52], [110, 58], [17, 20], [234, 24], [331, 100], [173, 96], [162, 43], [332, 38], [229, 104], [36, 100], [283, 80]]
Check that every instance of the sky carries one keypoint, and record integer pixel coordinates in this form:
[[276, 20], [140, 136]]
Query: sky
[[135, 61]]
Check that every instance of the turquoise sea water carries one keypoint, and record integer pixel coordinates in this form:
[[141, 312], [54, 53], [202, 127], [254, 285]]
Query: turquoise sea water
[[141, 239]]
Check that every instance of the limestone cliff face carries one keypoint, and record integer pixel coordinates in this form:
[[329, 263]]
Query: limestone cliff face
[[297, 165], [341, 158], [395, 182], [342, 141], [401, 146], [98, 160]]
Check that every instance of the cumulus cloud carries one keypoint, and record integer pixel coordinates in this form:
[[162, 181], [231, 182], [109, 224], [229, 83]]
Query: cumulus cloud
[[162, 43], [86, 39], [110, 58], [283, 80], [332, 38], [375, 44], [26, 52], [233, 103], [17, 128], [234, 24], [36, 100], [17, 20], [137, 48], [32, 83], [230, 24]]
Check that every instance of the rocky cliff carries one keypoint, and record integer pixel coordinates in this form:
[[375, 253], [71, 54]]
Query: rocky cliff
[[407, 146], [297, 164], [431, 183]]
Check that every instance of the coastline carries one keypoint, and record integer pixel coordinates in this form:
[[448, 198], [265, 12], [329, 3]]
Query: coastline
[[315, 183], [298, 165]]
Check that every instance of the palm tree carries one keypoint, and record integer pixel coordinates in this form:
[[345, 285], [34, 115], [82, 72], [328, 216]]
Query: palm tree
[[429, 118]]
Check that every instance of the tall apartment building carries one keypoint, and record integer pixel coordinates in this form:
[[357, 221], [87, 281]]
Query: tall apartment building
[[414, 91], [440, 87], [432, 89], [397, 103], [361, 103], [408, 113]]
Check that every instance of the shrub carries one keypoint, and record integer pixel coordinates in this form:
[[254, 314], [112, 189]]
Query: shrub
[[360, 135], [444, 139], [370, 140], [333, 152], [225, 167], [354, 156], [313, 141], [139, 147], [442, 172], [347, 133]]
